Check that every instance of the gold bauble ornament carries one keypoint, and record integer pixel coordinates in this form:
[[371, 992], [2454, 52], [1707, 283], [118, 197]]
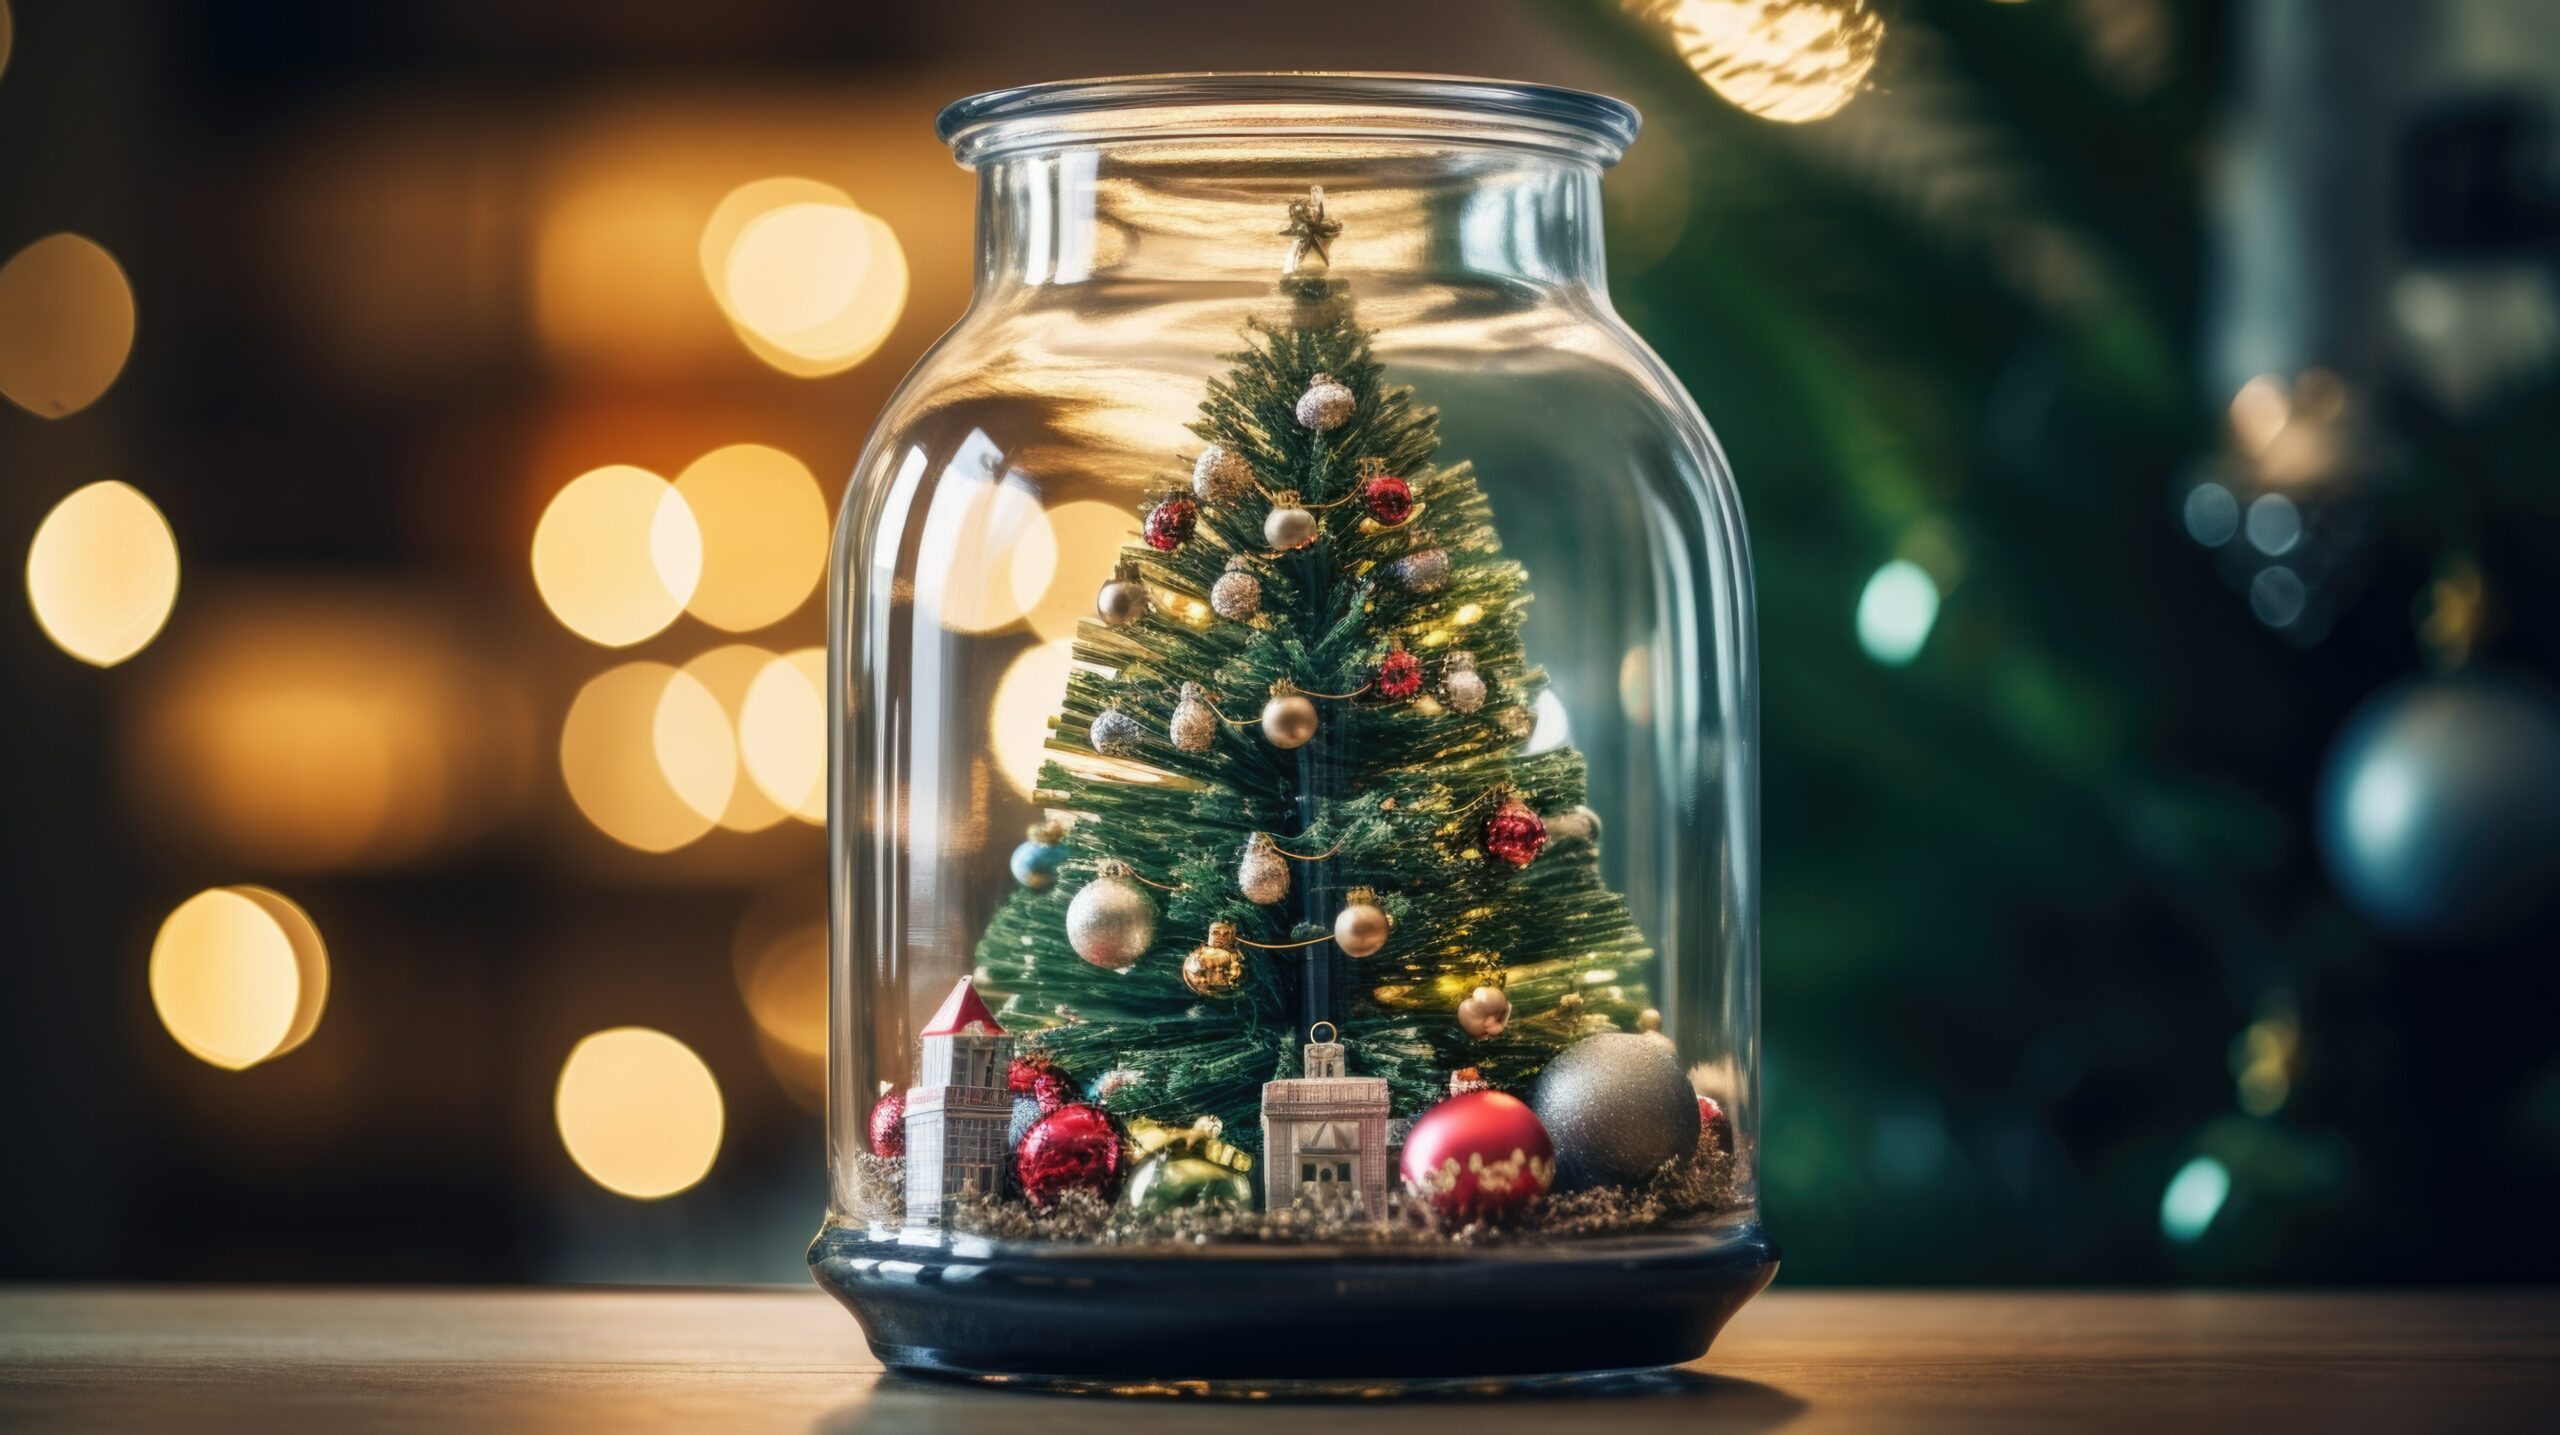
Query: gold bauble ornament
[[1289, 719], [1361, 927], [1215, 968], [1262, 874], [1485, 1013], [1123, 600]]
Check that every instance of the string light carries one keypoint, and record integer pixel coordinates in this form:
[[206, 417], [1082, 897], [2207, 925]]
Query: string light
[[102, 573], [66, 325], [639, 1113], [239, 976]]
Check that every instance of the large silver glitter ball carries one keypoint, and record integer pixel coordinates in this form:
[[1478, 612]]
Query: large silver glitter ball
[[1111, 923], [1617, 1107], [1195, 724], [1325, 405], [1262, 874], [1115, 733], [1237, 595], [1289, 527], [1221, 475]]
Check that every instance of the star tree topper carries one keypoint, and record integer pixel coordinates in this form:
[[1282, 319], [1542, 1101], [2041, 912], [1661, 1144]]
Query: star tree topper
[[1309, 231]]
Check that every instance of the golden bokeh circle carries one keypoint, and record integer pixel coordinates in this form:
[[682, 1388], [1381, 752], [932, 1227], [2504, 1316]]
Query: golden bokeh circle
[[639, 1112], [610, 757], [617, 555], [66, 324], [763, 526], [102, 573], [238, 976]]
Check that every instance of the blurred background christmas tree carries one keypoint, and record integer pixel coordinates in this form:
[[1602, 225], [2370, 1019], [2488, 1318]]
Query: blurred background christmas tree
[[2144, 410]]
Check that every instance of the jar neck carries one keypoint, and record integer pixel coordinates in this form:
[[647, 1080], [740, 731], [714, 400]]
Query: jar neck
[[1210, 210]]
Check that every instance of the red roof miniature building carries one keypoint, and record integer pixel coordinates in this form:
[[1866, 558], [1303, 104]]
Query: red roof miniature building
[[962, 1011]]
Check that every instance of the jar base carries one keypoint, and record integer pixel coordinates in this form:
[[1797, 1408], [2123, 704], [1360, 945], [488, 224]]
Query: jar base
[[1291, 1323]]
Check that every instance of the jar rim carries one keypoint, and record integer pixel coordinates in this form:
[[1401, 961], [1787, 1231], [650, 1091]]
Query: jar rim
[[1283, 103]]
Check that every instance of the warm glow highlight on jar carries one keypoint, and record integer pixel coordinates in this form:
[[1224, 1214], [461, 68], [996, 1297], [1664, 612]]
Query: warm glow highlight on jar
[[617, 555], [239, 976], [763, 527], [66, 325], [639, 1112], [1788, 60], [990, 536], [782, 732], [102, 573], [1086, 539], [811, 283], [1028, 694], [610, 757]]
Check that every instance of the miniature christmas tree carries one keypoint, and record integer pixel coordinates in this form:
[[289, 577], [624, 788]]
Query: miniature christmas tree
[[1293, 755]]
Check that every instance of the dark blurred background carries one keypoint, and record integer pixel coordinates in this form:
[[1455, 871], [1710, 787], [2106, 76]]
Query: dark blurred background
[[2145, 412]]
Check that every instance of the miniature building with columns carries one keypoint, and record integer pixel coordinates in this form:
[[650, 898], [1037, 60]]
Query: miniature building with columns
[[1324, 1135], [958, 1108]]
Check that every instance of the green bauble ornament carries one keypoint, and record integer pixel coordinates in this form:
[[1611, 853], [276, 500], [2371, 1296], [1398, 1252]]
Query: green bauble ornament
[[1170, 1181]]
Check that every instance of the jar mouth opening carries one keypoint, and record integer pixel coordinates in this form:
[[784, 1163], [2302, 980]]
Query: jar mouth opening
[[1446, 109]]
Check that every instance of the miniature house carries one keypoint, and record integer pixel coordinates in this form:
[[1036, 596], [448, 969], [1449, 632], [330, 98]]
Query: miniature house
[[958, 1109], [1325, 1135]]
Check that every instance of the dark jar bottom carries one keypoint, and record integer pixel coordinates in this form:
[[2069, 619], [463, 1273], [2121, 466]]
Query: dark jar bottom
[[1258, 1320]]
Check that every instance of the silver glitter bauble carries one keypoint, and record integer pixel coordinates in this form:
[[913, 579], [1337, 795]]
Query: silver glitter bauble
[[1580, 824], [1221, 475], [1423, 570], [1237, 595], [1115, 733], [1123, 600], [1262, 874], [1361, 927], [1112, 922], [1289, 526], [1325, 405], [1485, 1013], [1195, 724], [1617, 1107], [1461, 686], [1289, 719]]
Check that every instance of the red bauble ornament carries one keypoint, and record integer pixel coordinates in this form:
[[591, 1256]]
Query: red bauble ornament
[[889, 1123], [1514, 833], [1399, 675], [1708, 1115], [1038, 1078], [1388, 498], [1074, 1148], [1170, 523], [1477, 1155]]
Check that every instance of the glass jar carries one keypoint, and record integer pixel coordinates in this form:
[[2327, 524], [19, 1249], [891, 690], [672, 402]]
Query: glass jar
[[1357, 617]]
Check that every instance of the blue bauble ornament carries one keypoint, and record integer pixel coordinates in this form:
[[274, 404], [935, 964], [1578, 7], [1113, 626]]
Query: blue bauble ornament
[[2439, 806], [1035, 862]]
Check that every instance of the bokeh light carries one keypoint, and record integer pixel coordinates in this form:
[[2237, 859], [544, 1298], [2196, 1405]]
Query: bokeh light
[[727, 673], [2212, 514], [1788, 60], [617, 555], [1028, 696], [639, 1112], [695, 745], [1085, 541], [102, 573], [609, 757], [1896, 610], [239, 976], [2193, 1198], [812, 283], [763, 526], [66, 324], [779, 958], [782, 732]]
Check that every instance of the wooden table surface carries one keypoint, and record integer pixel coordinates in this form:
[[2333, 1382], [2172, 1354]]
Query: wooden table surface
[[1798, 1361]]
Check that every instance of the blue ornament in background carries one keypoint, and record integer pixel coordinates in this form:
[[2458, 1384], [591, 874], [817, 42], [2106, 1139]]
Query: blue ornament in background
[[1035, 862], [2439, 806]]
